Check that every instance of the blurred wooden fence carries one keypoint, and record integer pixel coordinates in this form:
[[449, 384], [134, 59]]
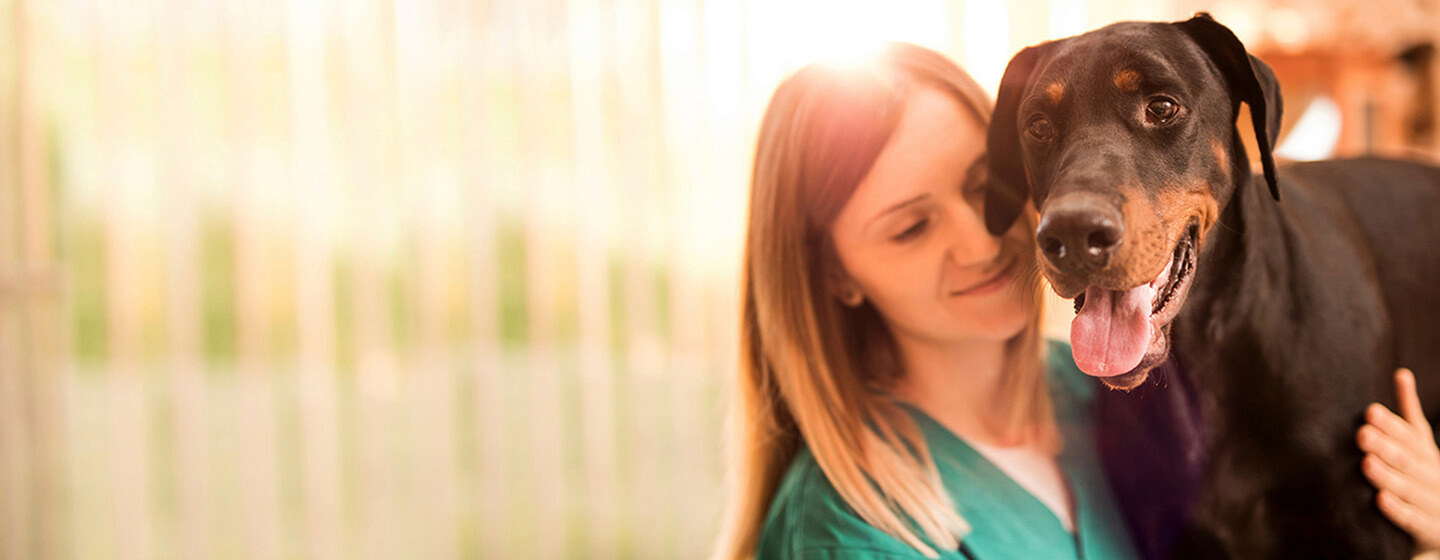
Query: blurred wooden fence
[[377, 279], [364, 280], [381, 279]]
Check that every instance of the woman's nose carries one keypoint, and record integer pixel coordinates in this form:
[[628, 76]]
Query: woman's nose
[[970, 243]]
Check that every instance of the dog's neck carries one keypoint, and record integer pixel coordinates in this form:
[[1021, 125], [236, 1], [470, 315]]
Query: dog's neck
[[1243, 280], [1232, 335]]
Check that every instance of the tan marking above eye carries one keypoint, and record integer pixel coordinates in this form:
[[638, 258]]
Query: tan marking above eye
[[1126, 80], [1055, 91]]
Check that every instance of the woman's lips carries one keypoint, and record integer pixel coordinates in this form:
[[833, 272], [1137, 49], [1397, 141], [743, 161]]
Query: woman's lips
[[989, 285]]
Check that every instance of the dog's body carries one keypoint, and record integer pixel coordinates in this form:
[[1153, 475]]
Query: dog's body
[[1285, 318], [1245, 446]]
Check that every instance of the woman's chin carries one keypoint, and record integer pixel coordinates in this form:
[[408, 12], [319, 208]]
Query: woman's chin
[[999, 320], [1012, 329], [996, 327]]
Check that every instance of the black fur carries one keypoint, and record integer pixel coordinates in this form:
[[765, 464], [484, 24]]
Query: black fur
[[1242, 444]]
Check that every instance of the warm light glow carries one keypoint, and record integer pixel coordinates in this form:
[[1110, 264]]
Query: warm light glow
[[1315, 134], [1067, 18], [790, 34], [987, 42], [1288, 28], [778, 39], [1240, 17]]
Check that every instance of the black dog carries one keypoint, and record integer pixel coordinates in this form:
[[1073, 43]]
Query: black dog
[[1286, 318]]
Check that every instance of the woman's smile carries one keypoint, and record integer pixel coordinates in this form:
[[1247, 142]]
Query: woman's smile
[[992, 284]]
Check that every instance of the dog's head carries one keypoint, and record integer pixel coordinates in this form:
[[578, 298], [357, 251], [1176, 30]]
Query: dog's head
[[1125, 139]]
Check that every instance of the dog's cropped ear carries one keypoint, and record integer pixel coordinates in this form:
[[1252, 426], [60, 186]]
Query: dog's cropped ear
[[1249, 80], [1009, 186]]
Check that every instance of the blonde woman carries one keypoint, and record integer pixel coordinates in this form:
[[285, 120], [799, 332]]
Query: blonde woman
[[896, 399]]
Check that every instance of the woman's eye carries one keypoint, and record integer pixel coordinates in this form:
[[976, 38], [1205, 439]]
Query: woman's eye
[[1040, 129], [913, 231], [1161, 109]]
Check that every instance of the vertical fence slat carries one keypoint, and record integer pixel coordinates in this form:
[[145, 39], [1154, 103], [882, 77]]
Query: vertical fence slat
[[311, 160], [250, 191], [370, 75], [15, 487], [424, 142], [485, 169], [685, 133], [592, 184], [87, 472], [16, 520], [736, 116], [34, 71], [648, 519], [183, 291], [537, 66], [129, 442], [722, 211]]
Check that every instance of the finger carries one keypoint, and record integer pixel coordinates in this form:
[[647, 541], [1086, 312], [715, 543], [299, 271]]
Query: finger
[[1400, 512], [1413, 494], [1390, 423], [1409, 399], [1372, 440], [1385, 477]]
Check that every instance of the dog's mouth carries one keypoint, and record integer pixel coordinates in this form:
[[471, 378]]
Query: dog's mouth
[[1120, 335]]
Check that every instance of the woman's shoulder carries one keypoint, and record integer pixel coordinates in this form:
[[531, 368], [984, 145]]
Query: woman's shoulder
[[809, 519]]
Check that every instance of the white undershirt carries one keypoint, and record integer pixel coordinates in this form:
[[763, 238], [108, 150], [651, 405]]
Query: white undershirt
[[1036, 472]]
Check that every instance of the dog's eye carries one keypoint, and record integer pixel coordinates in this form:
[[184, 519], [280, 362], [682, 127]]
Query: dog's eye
[[1161, 109], [1040, 129]]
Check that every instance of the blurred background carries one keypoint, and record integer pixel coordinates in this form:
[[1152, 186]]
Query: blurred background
[[452, 279]]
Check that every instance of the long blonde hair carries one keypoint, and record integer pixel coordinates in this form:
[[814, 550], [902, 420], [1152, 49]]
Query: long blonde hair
[[810, 365]]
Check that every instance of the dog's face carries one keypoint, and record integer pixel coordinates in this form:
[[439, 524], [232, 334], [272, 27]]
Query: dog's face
[[1125, 140]]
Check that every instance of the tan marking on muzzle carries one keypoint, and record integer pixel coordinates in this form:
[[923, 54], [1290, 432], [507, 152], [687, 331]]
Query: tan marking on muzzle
[[1180, 205], [1147, 246], [1152, 230]]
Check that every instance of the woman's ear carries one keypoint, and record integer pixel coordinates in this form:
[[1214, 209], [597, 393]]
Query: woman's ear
[[845, 289]]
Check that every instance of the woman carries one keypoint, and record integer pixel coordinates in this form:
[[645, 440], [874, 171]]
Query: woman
[[896, 399]]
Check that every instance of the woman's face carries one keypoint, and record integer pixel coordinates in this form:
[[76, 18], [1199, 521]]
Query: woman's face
[[912, 237]]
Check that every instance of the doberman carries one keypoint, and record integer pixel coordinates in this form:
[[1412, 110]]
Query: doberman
[[1286, 318]]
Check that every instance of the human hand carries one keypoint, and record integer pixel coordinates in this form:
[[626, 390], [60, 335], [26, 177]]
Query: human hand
[[1403, 462]]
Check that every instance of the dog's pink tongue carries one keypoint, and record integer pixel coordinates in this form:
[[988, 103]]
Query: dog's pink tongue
[[1111, 333]]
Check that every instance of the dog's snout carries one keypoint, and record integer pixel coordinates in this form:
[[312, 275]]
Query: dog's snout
[[1079, 233]]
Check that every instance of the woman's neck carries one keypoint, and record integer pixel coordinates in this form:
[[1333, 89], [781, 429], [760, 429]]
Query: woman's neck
[[958, 385]]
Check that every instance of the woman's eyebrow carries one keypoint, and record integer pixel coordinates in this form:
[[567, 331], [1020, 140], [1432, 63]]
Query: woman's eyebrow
[[900, 205], [972, 176]]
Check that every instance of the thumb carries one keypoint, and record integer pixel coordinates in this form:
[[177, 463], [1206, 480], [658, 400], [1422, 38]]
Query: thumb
[[1409, 399]]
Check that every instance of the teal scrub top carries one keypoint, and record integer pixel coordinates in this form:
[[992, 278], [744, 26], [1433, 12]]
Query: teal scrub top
[[808, 518]]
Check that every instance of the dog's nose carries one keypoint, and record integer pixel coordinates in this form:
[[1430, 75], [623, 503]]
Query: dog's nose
[[1079, 232]]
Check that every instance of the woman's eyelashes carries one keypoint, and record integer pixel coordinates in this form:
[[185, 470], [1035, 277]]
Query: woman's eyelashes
[[972, 193], [913, 231]]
